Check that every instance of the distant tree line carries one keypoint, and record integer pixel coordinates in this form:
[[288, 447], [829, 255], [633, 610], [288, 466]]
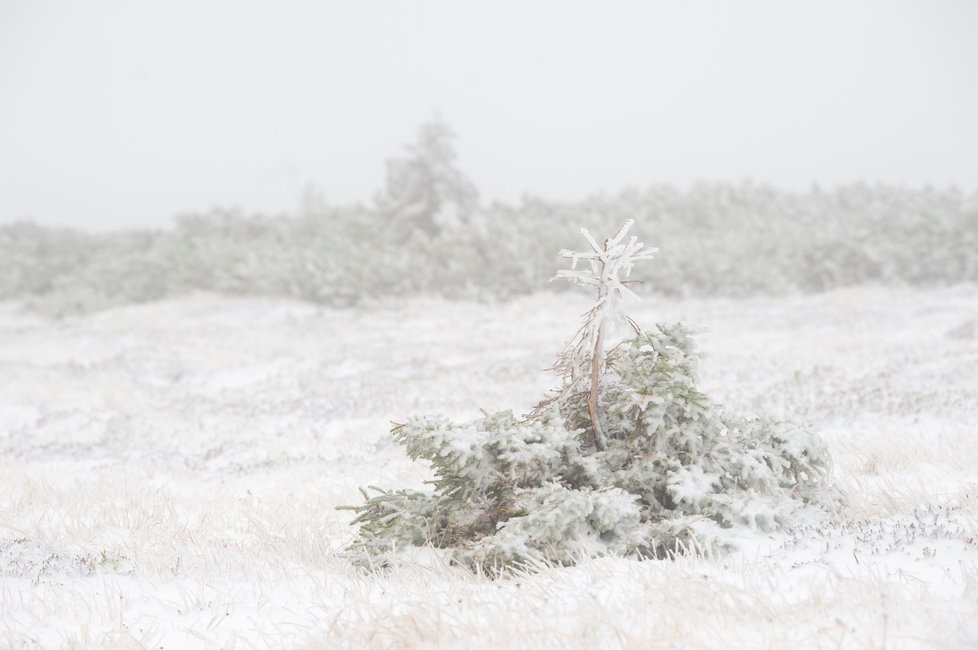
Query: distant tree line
[[426, 232]]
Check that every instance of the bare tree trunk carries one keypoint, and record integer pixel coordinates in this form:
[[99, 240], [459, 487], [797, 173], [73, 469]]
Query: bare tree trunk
[[592, 400]]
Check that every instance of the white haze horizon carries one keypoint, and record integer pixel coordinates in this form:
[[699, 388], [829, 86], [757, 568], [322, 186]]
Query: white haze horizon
[[121, 115]]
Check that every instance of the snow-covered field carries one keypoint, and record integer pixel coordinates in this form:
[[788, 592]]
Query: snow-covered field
[[169, 475]]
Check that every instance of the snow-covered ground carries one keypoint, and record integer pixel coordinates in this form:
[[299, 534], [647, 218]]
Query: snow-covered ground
[[169, 475]]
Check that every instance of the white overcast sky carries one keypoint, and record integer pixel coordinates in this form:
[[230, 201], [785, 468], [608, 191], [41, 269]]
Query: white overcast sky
[[124, 113]]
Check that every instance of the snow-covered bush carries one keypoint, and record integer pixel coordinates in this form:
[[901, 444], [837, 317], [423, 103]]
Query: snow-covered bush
[[425, 191], [426, 232], [625, 457]]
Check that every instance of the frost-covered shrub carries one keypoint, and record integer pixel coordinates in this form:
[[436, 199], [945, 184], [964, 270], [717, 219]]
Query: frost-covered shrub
[[426, 232], [662, 465]]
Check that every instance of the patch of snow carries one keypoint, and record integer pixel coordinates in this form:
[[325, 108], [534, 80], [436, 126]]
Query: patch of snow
[[169, 475]]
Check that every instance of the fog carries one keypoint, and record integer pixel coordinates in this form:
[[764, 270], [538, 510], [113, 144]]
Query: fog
[[119, 114], [282, 363]]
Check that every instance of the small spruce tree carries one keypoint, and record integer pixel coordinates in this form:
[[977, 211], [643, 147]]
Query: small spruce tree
[[627, 457], [584, 355]]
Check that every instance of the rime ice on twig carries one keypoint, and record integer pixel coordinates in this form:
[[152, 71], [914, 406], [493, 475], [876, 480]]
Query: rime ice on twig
[[609, 264]]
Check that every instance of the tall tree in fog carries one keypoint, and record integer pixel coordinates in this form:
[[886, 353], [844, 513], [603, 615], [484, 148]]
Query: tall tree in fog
[[425, 190]]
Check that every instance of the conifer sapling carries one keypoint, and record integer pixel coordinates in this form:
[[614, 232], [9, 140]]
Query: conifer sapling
[[627, 457], [584, 355]]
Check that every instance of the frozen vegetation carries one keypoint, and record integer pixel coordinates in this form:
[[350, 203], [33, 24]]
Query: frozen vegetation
[[182, 411], [426, 232], [169, 475], [627, 457]]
